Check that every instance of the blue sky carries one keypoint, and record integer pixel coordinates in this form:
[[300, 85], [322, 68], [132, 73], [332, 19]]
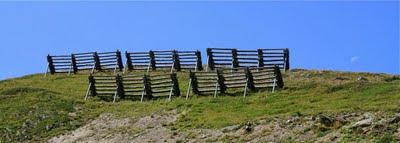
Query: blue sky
[[345, 36]]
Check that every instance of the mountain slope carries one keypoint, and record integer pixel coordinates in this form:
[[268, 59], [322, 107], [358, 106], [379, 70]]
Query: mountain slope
[[36, 108]]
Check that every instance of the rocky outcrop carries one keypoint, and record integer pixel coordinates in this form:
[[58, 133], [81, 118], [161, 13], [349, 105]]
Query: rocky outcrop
[[159, 128]]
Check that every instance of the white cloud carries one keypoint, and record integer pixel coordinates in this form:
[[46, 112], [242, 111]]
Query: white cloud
[[354, 59]]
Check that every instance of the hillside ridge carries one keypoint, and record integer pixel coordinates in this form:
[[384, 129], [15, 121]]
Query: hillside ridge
[[41, 109]]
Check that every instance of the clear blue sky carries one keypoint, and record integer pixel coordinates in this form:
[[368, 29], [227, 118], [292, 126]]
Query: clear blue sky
[[346, 36]]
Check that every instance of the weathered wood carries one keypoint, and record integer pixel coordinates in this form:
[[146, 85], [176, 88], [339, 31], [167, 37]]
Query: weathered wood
[[50, 64], [147, 88], [221, 48], [128, 61], [193, 83], [210, 59], [199, 65], [152, 60], [176, 60], [120, 86], [92, 85], [247, 58], [286, 57], [73, 62], [279, 79], [221, 81], [96, 58]]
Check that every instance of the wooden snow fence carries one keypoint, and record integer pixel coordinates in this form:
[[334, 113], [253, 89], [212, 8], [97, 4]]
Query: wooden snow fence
[[158, 60], [232, 58], [189, 60], [136, 87], [238, 80], [220, 58], [164, 60], [139, 60], [202, 83], [279, 57], [59, 64], [242, 79], [164, 85], [267, 78], [85, 61], [105, 87], [109, 61], [133, 86]]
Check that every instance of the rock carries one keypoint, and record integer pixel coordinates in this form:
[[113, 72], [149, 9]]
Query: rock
[[360, 78], [397, 135], [349, 115], [326, 120], [311, 118], [49, 127], [203, 136], [341, 120], [341, 78], [262, 121], [363, 123], [292, 120], [395, 119], [72, 114], [248, 127], [230, 128], [368, 115], [379, 126]]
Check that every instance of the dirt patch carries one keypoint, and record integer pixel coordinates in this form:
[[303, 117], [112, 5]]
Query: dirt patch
[[107, 128], [159, 128]]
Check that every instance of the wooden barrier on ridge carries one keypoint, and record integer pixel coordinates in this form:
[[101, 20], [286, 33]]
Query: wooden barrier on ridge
[[105, 86], [189, 60], [205, 83], [85, 61], [164, 85], [139, 60], [109, 61], [247, 78], [164, 60], [267, 77], [239, 79], [220, 58], [233, 58], [59, 64], [133, 86], [172, 60]]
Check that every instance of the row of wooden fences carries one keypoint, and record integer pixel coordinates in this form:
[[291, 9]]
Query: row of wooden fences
[[239, 79], [84, 61], [171, 60], [134, 87], [233, 58]]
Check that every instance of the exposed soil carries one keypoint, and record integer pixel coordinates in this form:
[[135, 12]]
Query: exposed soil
[[159, 128]]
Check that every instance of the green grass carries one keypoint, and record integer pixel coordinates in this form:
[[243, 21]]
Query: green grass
[[35, 108]]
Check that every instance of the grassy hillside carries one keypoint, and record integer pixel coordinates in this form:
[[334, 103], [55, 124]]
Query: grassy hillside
[[35, 108]]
